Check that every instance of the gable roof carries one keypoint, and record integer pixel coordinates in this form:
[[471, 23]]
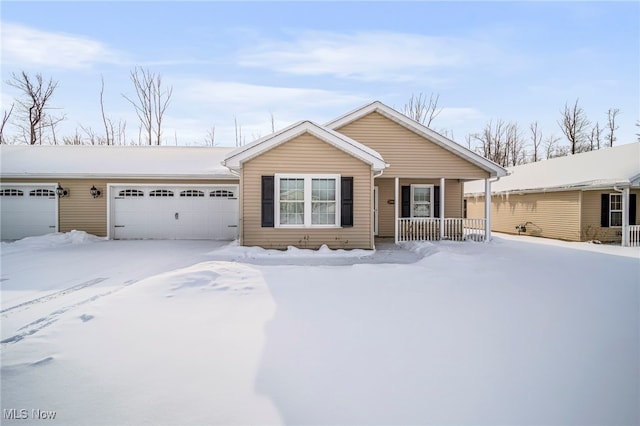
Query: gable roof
[[80, 161], [489, 166], [235, 159], [603, 168]]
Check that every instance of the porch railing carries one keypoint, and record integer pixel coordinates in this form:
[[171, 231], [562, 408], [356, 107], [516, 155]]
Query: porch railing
[[428, 229], [634, 235]]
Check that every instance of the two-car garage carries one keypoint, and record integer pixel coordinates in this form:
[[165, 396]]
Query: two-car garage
[[173, 212], [130, 211]]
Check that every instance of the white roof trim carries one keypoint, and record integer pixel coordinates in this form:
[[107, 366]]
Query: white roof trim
[[245, 153], [446, 143]]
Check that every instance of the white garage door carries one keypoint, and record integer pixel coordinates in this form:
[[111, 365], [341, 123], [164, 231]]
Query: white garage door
[[174, 212], [27, 210]]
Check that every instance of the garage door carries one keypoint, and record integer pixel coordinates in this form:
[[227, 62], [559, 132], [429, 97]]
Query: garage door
[[27, 210], [174, 212]]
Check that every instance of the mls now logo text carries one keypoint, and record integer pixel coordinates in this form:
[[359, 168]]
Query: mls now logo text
[[24, 414]]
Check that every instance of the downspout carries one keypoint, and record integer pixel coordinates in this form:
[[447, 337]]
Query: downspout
[[487, 207], [625, 214]]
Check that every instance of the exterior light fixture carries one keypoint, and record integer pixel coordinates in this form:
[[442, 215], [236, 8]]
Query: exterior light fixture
[[61, 191], [95, 192]]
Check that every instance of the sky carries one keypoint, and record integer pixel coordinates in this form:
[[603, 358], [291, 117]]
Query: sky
[[267, 65]]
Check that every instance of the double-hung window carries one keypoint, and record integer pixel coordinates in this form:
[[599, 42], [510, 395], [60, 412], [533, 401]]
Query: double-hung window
[[615, 209], [421, 200], [307, 200]]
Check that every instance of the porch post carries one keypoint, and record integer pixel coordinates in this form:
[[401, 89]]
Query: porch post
[[395, 208], [441, 208], [487, 210], [625, 217]]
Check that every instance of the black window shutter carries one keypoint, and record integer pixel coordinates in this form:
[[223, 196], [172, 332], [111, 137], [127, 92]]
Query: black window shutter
[[406, 201], [436, 201], [604, 210], [268, 205], [346, 206], [632, 209]]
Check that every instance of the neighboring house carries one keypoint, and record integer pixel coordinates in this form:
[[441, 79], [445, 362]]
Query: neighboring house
[[372, 172], [583, 197]]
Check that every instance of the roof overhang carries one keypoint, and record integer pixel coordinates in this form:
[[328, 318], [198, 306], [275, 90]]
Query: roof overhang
[[235, 159], [495, 170]]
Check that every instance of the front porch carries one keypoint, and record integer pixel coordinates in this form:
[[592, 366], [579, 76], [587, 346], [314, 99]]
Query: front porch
[[433, 229], [426, 209]]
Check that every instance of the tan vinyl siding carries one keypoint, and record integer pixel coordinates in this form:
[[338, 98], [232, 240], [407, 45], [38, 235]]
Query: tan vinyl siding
[[386, 193], [591, 209], [409, 154], [552, 214], [306, 154], [80, 211]]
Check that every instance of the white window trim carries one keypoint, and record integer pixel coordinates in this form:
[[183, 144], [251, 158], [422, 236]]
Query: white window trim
[[307, 199], [431, 203], [614, 211]]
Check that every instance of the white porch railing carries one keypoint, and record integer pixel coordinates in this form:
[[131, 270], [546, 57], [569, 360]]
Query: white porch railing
[[428, 229], [634, 236]]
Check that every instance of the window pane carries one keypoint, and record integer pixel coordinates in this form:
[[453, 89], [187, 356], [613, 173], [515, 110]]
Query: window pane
[[323, 213], [616, 201], [291, 213], [323, 189], [422, 210], [616, 218], [292, 189], [421, 194]]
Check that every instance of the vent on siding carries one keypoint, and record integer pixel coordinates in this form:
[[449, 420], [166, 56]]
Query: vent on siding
[[221, 193], [11, 193], [192, 193], [161, 193], [131, 193], [42, 193]]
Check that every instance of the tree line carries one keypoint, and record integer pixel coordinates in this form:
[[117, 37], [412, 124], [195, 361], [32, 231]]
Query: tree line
[[508, 144], [505, 143]]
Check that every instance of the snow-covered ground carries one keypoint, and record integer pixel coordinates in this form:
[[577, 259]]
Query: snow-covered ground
[[518, 331]]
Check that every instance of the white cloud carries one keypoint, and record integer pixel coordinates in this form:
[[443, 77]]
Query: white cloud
[[25, 46], [369, 56]]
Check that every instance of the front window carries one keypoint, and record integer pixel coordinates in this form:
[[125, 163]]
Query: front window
[[615, 209], [291, 201], [307, 200], [421, 200]]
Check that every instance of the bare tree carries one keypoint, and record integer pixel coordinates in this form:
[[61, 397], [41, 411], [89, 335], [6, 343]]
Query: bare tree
[[36, 96], [210, 139], [501, 143], [612, 114], [240, 141], [595, 137], [536, 140], [151, 103], [273, 124], [574, 124], [5, 118], [421, 110], [552, 149]]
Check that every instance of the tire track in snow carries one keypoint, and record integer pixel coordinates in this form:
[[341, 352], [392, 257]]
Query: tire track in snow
[[37, 325], [55, 295]]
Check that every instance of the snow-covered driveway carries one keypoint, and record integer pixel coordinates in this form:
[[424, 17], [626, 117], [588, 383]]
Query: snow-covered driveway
[[519, 331]]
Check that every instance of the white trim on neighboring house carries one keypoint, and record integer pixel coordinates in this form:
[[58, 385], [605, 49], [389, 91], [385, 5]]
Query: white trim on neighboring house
[[235, 159], [492, 168]]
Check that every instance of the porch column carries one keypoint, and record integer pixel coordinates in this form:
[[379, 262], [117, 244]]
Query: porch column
[[395, 208], [487, 210], [441, 209], [625, 217]]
